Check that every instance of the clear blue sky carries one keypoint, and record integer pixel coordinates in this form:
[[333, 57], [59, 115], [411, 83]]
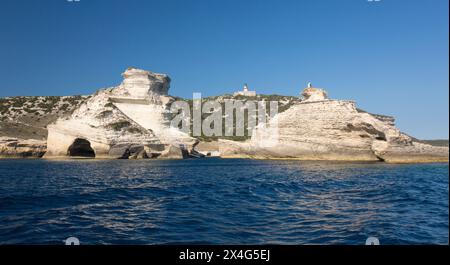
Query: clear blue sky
[[390, 56]]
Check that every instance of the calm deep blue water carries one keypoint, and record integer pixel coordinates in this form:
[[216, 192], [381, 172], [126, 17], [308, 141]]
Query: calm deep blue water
[[215, 201]]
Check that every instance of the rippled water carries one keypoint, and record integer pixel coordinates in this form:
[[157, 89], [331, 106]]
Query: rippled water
[[222, 202]]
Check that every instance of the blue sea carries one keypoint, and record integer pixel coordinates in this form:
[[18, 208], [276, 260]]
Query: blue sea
[[222, 201]]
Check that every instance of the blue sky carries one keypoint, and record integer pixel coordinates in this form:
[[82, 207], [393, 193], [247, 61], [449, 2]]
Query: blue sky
[[390, 56]]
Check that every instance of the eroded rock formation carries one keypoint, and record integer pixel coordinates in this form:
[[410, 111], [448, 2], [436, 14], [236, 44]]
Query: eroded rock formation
[[314, 94], [318, 128], [21, 148], [132, 121], [143, 84], [126, 121]]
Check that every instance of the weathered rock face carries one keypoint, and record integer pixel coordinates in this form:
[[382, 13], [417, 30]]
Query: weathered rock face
[[208, 149], [175, 152], [314, 94], [414, 153], [20, 148], [132, 121], [143, 84], [119, 122], [332, 130]]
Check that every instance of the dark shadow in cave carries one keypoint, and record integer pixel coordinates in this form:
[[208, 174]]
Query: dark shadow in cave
[[81, 148]]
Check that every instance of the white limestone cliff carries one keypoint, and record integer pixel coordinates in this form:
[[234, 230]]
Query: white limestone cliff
[[141, 84], [121, 122], [132, 120], [318, 128]]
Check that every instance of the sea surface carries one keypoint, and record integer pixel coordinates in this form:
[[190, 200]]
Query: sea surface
[[222, 201]]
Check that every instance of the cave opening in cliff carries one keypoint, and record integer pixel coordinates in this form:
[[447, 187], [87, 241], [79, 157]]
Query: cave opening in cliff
[[81, 148]]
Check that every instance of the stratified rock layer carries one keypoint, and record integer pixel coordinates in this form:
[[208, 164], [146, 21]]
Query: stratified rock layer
[[132, 121], [20, 148], [120, 122], [143, 84], [332, 130]]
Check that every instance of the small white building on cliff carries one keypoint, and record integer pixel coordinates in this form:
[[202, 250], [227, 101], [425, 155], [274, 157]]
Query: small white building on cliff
[[245, 92]]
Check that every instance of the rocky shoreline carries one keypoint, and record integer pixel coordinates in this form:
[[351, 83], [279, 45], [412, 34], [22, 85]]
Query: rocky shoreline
[[20, 148], [131, 121]]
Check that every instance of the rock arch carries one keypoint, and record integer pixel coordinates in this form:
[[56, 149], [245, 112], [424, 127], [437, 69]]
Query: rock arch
[[81, 147]]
